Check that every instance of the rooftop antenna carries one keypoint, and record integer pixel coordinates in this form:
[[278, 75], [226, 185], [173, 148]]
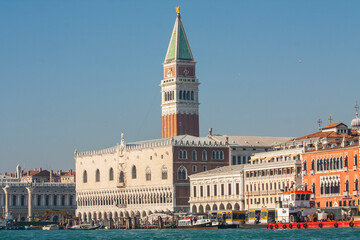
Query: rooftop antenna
[[330, 119], [319, 123]]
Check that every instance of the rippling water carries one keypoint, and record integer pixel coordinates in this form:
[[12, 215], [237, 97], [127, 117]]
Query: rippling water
[[302, 234]]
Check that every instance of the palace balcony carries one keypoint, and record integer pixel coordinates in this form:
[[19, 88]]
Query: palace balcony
[[346, 194], [304, 172], [312, 172], [346, 169], [356, 193], [355, 167], [120, 185]]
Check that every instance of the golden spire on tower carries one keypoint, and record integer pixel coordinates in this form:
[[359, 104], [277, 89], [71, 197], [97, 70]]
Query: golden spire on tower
[[178, 9]]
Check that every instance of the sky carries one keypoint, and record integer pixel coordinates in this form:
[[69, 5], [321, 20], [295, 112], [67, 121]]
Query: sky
[[75, 74]]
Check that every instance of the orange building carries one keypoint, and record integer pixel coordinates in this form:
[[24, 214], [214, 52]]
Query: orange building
[[330, 168]]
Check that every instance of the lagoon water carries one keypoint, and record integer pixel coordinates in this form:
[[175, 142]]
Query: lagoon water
[[339, 233]]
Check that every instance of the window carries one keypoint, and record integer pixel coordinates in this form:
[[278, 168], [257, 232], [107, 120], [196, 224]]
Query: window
[[204, 168], [313, 188], [313, 164], [194, 191], [356, 185], [97, 175], [133, 172], [194, 155], [346, 161], [229, 188], [347, 185], [164, 173], [182, 175], [237, 189], [213, 155], [201, 191], [84, 176], [215, 190], [222, 190], [233, 160], [204, 155], [121, 177], [208, 190], [148, 174], [180, 94], [111, 174], [194, 168], [182, 154], [355, 160]]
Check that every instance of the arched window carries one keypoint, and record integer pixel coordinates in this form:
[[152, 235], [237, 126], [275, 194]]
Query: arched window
[[305, 167], [322, 188], [182, 174], [121, 177], [355, 160], [188, 95], [111, 174], [221, 155], [331, 164], [313, 164], [194, 168], [341, 162], [313, 188], [192, 95], [194, 155], [356, 185], [164, 172], [184, 95], [217, 155], [213, 155], [84, 176], [97, 175], [346, 161], [133, 172], [337, 163], [180, 154], [204, 155], [184, 154], [180, 95], [148, 174], [347, 185]]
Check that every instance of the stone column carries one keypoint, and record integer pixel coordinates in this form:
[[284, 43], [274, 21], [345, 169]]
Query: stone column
[[30, 190], [6, 189]]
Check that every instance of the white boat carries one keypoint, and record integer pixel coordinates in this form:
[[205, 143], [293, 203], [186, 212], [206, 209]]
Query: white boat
[[201, 222], [51, 227], [83, 227]]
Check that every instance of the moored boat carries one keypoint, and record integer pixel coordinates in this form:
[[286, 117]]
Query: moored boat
[[31, 227], [83, 227], [198, 222], [51, 227], [298, 212]]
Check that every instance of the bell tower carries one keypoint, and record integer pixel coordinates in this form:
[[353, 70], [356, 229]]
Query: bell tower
[[179, 88]]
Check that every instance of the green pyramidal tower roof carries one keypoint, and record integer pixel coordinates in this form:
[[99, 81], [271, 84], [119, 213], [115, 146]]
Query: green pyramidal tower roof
[[179, 48]]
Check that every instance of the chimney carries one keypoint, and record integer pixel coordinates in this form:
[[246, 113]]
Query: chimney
[[40, 169], [227, 140], [210, 131], [70, 171], [343, 142]]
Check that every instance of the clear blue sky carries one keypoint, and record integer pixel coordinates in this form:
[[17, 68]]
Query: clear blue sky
[[75, 74]]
